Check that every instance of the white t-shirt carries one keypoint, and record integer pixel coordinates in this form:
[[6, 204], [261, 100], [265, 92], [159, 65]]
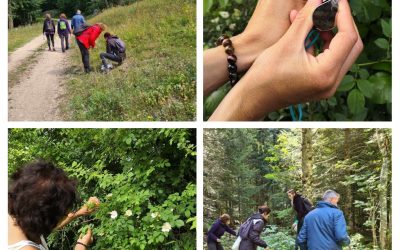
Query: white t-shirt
[[25, 243]]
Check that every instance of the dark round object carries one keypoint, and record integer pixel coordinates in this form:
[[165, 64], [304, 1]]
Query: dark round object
[[220, 39], [232, 68], [229, 50], [232, 59], [227, 42]]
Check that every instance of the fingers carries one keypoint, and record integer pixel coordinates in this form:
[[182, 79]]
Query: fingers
[[355, 52], [343, 42], [303, 23]]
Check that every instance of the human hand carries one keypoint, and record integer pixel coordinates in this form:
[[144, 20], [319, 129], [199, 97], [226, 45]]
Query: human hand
[[218, 240], [90, 206], [269, 22], [294, 226], [87, 239], [286, 73]]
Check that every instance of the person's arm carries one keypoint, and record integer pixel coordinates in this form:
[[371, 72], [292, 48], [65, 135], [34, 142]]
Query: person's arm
[[287, 74], [302, 237], [72, 23], [84, 210], [230, 230], [269, 22], [211, 232], [58, 27], [86, 240], [340, 230], [254, 234], [44, 26]]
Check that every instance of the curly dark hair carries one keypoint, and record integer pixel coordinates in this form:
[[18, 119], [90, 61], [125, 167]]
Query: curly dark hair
[[39, 196]]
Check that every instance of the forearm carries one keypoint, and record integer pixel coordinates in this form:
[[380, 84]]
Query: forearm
[[66, 221], [79, 247], [216, 65], [247, 102], [273, 16]]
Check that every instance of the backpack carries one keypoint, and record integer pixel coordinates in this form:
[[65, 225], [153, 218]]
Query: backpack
[[307, 204], [49, 25], [120, 45], [246, 226], [63, 25], [81, 29]]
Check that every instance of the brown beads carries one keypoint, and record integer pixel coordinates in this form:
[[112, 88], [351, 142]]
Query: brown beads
[[226, 42]]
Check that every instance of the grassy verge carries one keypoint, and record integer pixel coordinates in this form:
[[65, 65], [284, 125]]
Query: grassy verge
[[19, 36], [22, 70], [157, 80]]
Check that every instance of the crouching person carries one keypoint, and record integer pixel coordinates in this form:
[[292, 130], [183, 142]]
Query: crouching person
[[115, 51], [325, 226]]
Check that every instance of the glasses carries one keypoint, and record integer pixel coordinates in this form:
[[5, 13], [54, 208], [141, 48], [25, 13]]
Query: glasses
[[324, 17]]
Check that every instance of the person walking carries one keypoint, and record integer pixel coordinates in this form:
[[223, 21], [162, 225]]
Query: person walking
[[302, 206], [86, 39], [115, 51], [217, 231], [251, 236], [325, 226], [64, 31], [49, 29], [77, 21]]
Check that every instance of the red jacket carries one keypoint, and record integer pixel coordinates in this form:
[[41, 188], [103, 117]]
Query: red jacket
[[89, 36]]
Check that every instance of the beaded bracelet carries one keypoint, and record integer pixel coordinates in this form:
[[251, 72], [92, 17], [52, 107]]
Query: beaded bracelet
[[226, 42], [80, 243]]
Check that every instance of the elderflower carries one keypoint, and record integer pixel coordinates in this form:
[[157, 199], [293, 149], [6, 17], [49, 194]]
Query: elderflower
[[224, 14], [114, 214], [155, 215], [128, 213], [166, 227]]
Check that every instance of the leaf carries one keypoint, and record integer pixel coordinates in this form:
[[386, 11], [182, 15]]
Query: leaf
[[223, 3], [363, 74], [386, 28], [207, 4], [332, 101], [383, 66], [179, 223], [366, 87], [356, 101], [382, 83], [347, 83], [382, 43]]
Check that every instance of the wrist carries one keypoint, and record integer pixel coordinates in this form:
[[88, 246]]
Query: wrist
[[247, 49], [81, 246]]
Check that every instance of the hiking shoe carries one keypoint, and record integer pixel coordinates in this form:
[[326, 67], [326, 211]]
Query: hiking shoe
[[49, 49], [103, 68], [109, 66], [54, 49]]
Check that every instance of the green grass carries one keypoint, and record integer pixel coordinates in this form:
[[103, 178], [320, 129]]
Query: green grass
[[156, 81], [20, 36]]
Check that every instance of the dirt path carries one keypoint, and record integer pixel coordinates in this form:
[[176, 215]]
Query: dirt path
[[36, 97], [18, 56]]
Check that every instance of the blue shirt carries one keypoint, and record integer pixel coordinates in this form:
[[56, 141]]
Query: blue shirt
[[324, 228], [77, 21]]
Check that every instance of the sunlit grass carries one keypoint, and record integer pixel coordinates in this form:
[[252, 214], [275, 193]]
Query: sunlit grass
[[20, 36], [157, 80]]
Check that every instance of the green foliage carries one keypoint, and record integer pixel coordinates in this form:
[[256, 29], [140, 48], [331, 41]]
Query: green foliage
[[244, 168], [157, 81], [145, 178], [364, 94], [23, 12]]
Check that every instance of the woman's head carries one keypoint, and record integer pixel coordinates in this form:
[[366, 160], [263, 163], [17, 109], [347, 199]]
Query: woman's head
[[63, 16], [107, 35], [48, 16], [39, 196], [264, 210], [225, 218]]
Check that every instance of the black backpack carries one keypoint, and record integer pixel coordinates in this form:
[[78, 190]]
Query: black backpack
[[81, 29], [246, 226], [307, 204], [49, 25]]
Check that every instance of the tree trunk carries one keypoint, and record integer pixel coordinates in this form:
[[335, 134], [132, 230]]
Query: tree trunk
[[10, 16], [383, 143], [306, 161], [349, 192]]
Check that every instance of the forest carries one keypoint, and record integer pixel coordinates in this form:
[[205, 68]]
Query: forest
[[244, 168], [23, 12], [149, 172]]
